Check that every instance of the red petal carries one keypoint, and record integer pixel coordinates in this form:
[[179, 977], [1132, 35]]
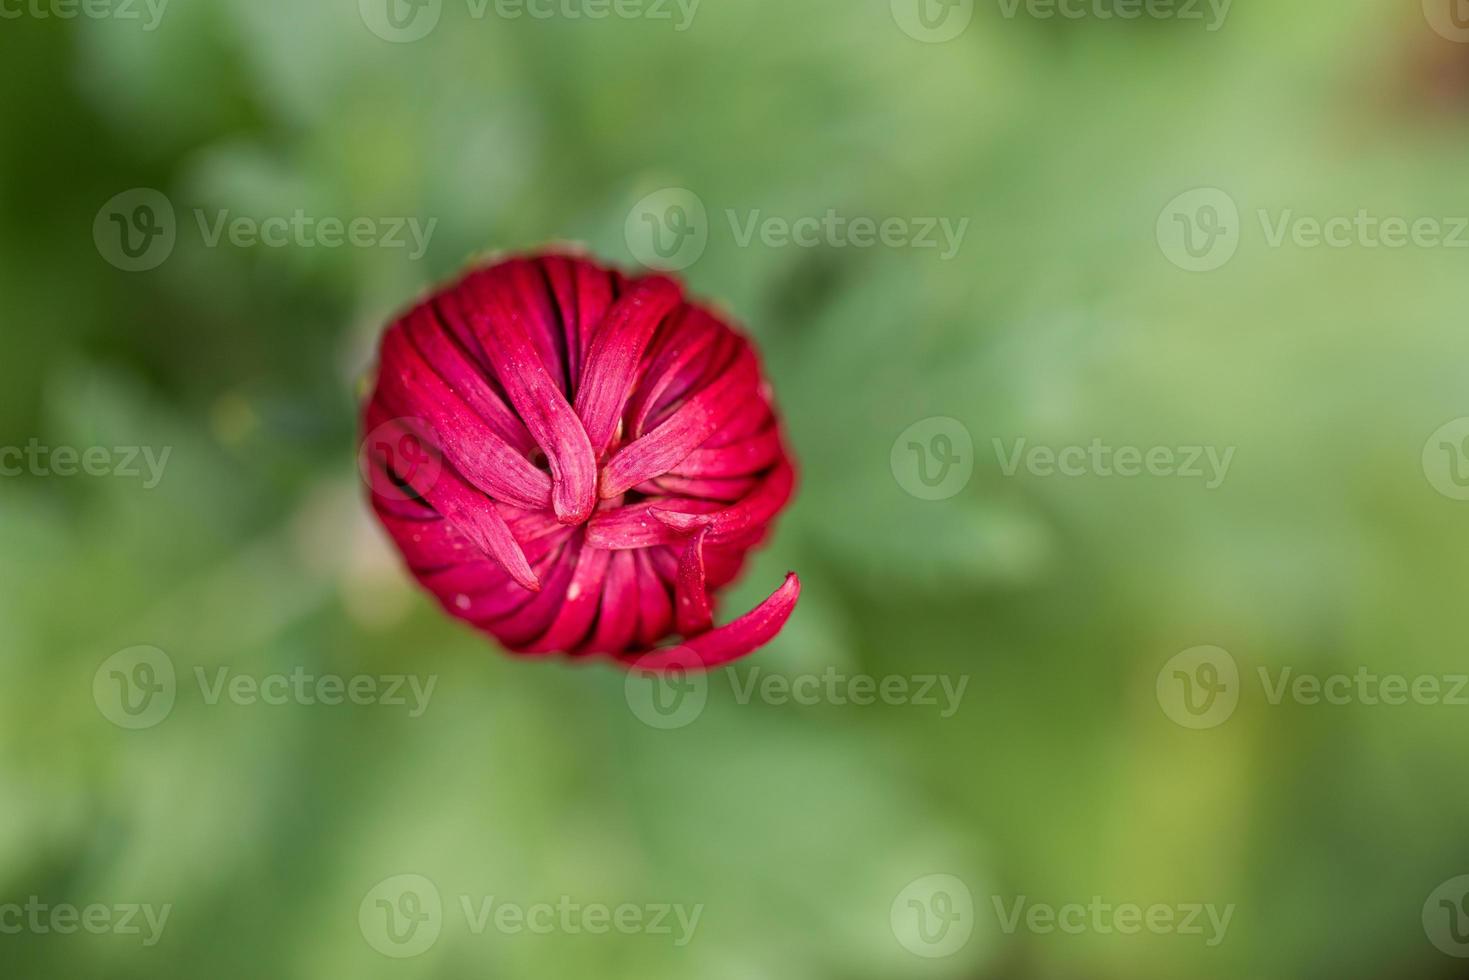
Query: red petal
[[532, 620], [616, 353], [727, 491], [618, 615], [469, 512], [691, 601], [695, 421], [583, 293], [679, 355], [410, 387], [729, 642], [655, 610], [756, 509], [630, 527], [579, 607], [536, 397], [464, 376], [736, 459]]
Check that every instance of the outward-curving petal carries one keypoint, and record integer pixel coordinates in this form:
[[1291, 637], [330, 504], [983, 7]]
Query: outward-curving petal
[[729, 642]]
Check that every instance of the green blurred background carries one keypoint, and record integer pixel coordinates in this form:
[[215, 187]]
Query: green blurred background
[[1067, 315]]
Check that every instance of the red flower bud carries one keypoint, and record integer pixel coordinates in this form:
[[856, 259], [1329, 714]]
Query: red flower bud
[[574, 460]]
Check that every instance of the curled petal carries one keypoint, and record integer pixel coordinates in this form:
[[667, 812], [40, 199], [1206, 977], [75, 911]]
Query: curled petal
[[729, 642], [729, 522]]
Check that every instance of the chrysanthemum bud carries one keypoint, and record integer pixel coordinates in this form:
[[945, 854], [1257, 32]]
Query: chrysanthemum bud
[[574, 460]]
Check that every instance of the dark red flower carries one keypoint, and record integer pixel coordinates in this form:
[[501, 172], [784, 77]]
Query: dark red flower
[[573, 460]]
